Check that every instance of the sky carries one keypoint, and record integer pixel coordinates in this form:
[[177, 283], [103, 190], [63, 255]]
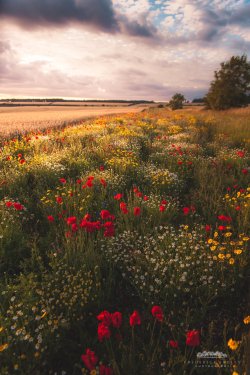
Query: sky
[[118, 49]]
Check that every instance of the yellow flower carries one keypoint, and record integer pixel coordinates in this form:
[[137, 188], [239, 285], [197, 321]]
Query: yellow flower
[[186, 227], [247, 320], [212, 248], [1, 329], [44, 314], [3, 347], [216, 234], [93, 372], [210, 240], [232, 344], [228, 234], [245, 238], [221, 256], [235, 373], [231, 261], [238, 251]]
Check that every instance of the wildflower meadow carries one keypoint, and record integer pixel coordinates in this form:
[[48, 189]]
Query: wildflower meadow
[[124, 246]]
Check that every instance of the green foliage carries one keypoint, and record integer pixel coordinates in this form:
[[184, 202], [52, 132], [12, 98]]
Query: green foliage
[[231, 85], [177, 101]]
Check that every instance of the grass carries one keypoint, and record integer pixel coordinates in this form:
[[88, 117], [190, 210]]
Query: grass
[[124, 245]]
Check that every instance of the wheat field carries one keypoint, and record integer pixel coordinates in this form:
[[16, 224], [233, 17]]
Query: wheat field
[[30, 118]]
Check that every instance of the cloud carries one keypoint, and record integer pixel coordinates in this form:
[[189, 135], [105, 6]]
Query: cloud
[[31, 13], [98, 15]]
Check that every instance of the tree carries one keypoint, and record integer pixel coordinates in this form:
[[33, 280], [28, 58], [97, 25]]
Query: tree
[[231, 85], [176, 101]]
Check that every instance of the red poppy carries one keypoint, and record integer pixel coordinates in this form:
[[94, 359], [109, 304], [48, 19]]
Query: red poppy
[[74, 227], [244, 171], [101, 168], [157, 313], [19, 156], [89, 183], [135, 319], [104, 370], [109, 229], [50, 218], [87, 217], [78, 181], [89, 359], [118, 196], [193, 338], [207, 228], [103, 182], [103, 332], [8, 204], [22, 161], [18, 206], [173, 344], [145, 198], [105, 318], [137, 211], [164, 202], [59, 200], [62, 180], [123, 207], [237, 208], [186, 210], [116, 318], [105, 214], [162, 208], [71, 220], [241, 154], [228, 219], [222, 227]]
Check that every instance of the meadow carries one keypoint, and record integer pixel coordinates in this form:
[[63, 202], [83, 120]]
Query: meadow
[[124, 245]]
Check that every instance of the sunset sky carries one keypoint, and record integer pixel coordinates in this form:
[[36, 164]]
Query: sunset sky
[[117, 49]]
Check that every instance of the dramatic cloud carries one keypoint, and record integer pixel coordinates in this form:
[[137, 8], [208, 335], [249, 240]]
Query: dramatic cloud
[[31, 13], [128, 49]]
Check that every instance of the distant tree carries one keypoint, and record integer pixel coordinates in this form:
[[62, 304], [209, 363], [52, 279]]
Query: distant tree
[[177, 101], [198, 100], [231, 85]]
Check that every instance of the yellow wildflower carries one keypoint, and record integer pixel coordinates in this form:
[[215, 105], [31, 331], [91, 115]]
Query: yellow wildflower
[[228, 234], [237, 251], [210, 240], [232, 344], [247, 320], [1, 329], [216, 234], [3, 347], [231, 261], [212, 248], [221, 256], [235, 373]]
